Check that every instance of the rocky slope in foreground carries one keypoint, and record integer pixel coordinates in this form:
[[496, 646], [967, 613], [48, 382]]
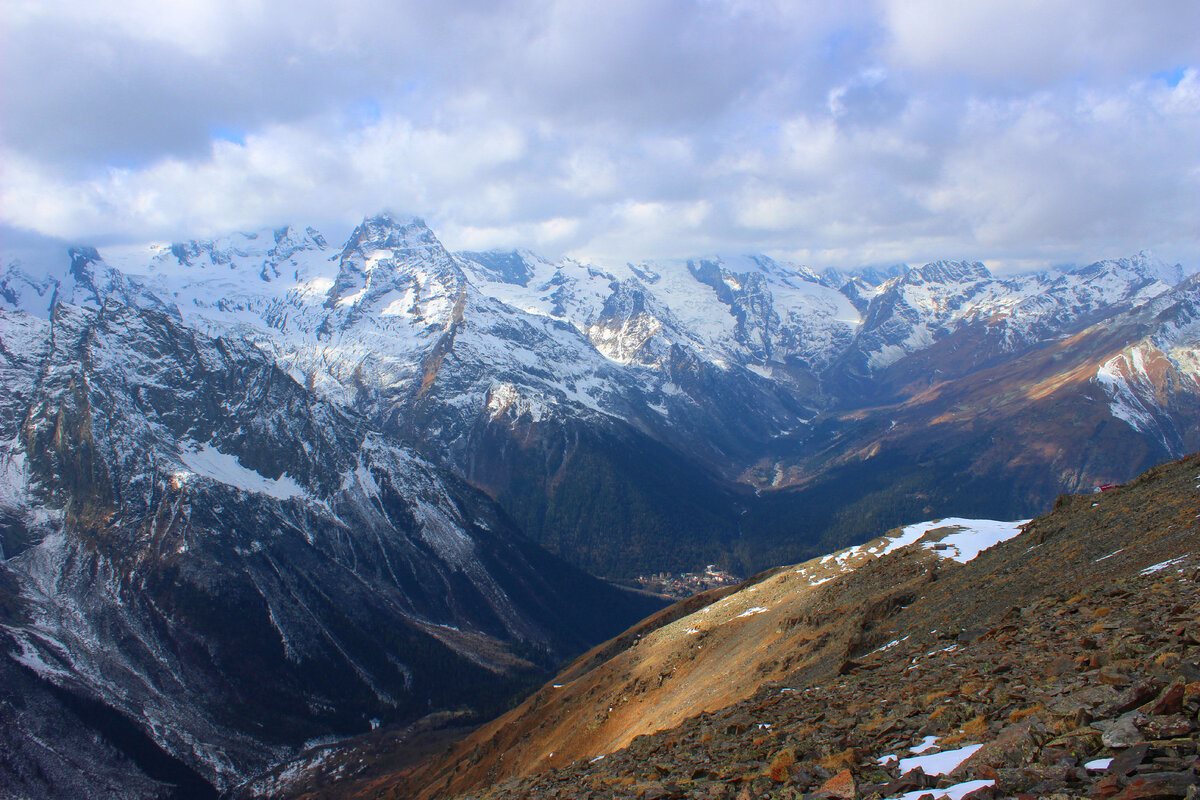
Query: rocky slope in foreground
[[1070, 644]]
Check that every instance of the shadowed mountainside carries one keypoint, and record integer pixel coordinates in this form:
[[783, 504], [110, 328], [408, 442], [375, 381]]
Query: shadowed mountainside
[[1087, 614]]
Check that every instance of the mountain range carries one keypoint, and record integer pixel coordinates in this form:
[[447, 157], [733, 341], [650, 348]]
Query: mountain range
[[263, 491]]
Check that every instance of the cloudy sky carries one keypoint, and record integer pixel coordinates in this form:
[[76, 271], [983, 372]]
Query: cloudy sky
[[1019, 132]]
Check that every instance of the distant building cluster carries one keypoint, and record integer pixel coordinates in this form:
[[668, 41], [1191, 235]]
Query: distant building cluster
[[686, 584]]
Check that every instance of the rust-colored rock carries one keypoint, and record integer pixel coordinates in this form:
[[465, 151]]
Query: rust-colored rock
[[841, 785], [1014, 747], [1131, 697], [1170, 700], [1161, 786], [1167, 726], [913, 779], [982, 793], [1113, 676], [1106, 788], [780, 769], [1128, 759]]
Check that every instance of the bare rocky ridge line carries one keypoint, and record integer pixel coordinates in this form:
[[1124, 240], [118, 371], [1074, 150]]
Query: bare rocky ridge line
[[1074, 642]]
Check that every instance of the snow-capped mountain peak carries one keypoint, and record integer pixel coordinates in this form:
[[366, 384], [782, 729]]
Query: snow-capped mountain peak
[[386, 232], [1145, 266], [266, 255], [385, 254], [947, 272]]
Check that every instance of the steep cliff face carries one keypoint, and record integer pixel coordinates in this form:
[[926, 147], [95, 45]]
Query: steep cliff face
[[197, 545]]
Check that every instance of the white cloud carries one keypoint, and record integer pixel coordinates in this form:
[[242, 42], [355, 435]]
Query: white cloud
[[1055, 170], [1016, 131], [1015, 41]]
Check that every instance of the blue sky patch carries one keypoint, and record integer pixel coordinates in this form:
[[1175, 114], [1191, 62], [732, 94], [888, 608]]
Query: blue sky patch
[[1171, 77], [366, 112], [225, 134]]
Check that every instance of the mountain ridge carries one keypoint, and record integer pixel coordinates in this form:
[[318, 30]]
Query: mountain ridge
[[743, 371], [877, 608]]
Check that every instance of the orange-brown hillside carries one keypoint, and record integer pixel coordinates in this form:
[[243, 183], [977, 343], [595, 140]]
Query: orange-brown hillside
[[836, 626]]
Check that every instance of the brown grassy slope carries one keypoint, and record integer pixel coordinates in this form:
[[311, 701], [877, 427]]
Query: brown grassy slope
[[810, 633], [1110, 674]]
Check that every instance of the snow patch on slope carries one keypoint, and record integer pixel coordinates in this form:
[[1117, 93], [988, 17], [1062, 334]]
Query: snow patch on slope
[[209, 462], [505, 397], [966, 540], [14, 478], [971, 537], [941, 763]]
